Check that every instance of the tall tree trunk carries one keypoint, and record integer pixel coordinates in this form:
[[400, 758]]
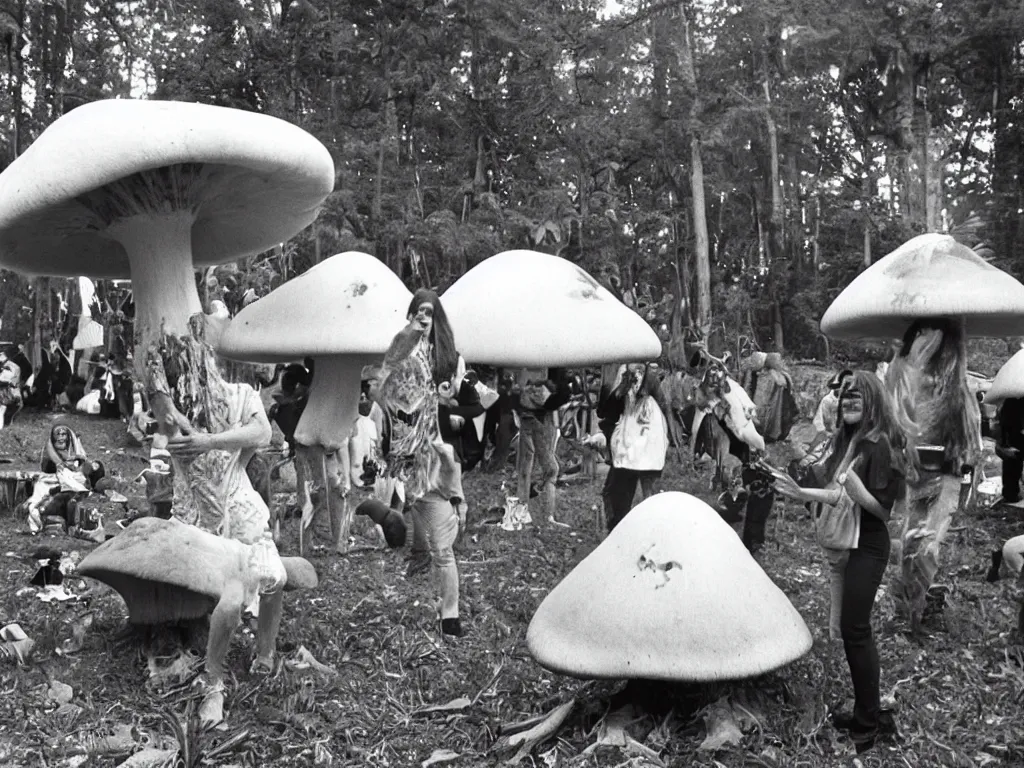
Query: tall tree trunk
[[866, 189], [909, 118], [815, 242], [777, 215], [388, 134], [687, 71]]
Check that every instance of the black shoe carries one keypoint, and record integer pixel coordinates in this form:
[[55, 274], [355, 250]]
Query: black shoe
[[843, 720], [452, 627], [993, 572], [863, 744]]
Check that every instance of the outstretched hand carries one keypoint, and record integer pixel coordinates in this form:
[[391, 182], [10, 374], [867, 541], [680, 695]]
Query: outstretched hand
[[787, 486]]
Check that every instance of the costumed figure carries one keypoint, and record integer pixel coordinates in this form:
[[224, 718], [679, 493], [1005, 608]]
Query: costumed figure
[[928, 382], [416, 465], [723, 427], [932, 293], [766, 376], [215, 427]]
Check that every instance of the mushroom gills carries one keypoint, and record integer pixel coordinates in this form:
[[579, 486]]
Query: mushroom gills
[[156, 602]]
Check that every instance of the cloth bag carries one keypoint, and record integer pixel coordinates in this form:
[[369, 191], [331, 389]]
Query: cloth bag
[[838, 527]]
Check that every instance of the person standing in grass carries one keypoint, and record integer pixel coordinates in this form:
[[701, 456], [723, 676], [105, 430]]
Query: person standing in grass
[[639, 439], [418, 372], [539, 399], [869, 461]]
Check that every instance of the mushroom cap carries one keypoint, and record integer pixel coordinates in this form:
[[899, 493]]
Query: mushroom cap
[[671, 594], [1009, 381], [350, 303], [928, 276], [266, 180], [166, 570], [532, 310]]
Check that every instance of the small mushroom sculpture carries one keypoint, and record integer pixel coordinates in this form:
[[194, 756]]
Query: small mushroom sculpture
[[343, 312], [671, 594], [1009, 381], [151, 190], [523, 309], [195, 572], [932, 292]]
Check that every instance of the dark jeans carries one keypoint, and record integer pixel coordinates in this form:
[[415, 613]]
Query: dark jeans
[[620, 488], [1013, 466], [504, 431], [759, 508], [863, 576]]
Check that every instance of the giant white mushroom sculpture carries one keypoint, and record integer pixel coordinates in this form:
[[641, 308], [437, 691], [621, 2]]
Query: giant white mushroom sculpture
[[529, 310], [671, 594], [151, 190], [932, 292], [343, 313], [524, 309]]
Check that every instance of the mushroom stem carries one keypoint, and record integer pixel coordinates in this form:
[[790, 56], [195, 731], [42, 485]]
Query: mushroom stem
[[159, 248], [333, 404]]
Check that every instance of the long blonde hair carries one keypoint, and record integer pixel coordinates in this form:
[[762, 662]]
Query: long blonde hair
[[928, 382]]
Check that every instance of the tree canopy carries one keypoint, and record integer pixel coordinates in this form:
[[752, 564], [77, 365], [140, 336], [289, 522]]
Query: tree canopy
[[721, 165]]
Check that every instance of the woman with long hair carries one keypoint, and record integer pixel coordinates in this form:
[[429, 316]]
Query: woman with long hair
[[419, 467], [868, 460]]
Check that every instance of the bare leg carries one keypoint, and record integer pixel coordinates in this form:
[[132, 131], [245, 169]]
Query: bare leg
[[269, 624], [337, 489], [223, 622]]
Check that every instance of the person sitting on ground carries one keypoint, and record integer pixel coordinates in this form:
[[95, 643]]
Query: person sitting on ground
[[63, 449], [10, 389]]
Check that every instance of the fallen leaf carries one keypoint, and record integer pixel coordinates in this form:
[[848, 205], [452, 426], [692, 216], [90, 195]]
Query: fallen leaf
[[452, 706], [59, 693], [151, 758], [721, 725], [439, 756], [304, 659]]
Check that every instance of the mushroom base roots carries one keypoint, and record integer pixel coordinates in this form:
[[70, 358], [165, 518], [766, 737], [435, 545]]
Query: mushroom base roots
[[333, 404], [159, 248]]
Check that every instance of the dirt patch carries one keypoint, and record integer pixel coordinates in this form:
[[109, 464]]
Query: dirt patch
[[958, 688]]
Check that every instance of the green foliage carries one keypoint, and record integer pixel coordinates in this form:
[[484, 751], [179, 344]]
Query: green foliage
[[463, 129]]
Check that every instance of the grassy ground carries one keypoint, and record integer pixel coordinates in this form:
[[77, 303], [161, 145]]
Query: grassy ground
[[958, 688]]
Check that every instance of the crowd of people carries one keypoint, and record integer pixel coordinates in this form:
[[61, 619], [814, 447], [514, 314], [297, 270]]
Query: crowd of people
[[425, 420]]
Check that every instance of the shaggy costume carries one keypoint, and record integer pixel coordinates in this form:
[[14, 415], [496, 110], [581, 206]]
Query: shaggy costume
[[928, 380], [766, 376]]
